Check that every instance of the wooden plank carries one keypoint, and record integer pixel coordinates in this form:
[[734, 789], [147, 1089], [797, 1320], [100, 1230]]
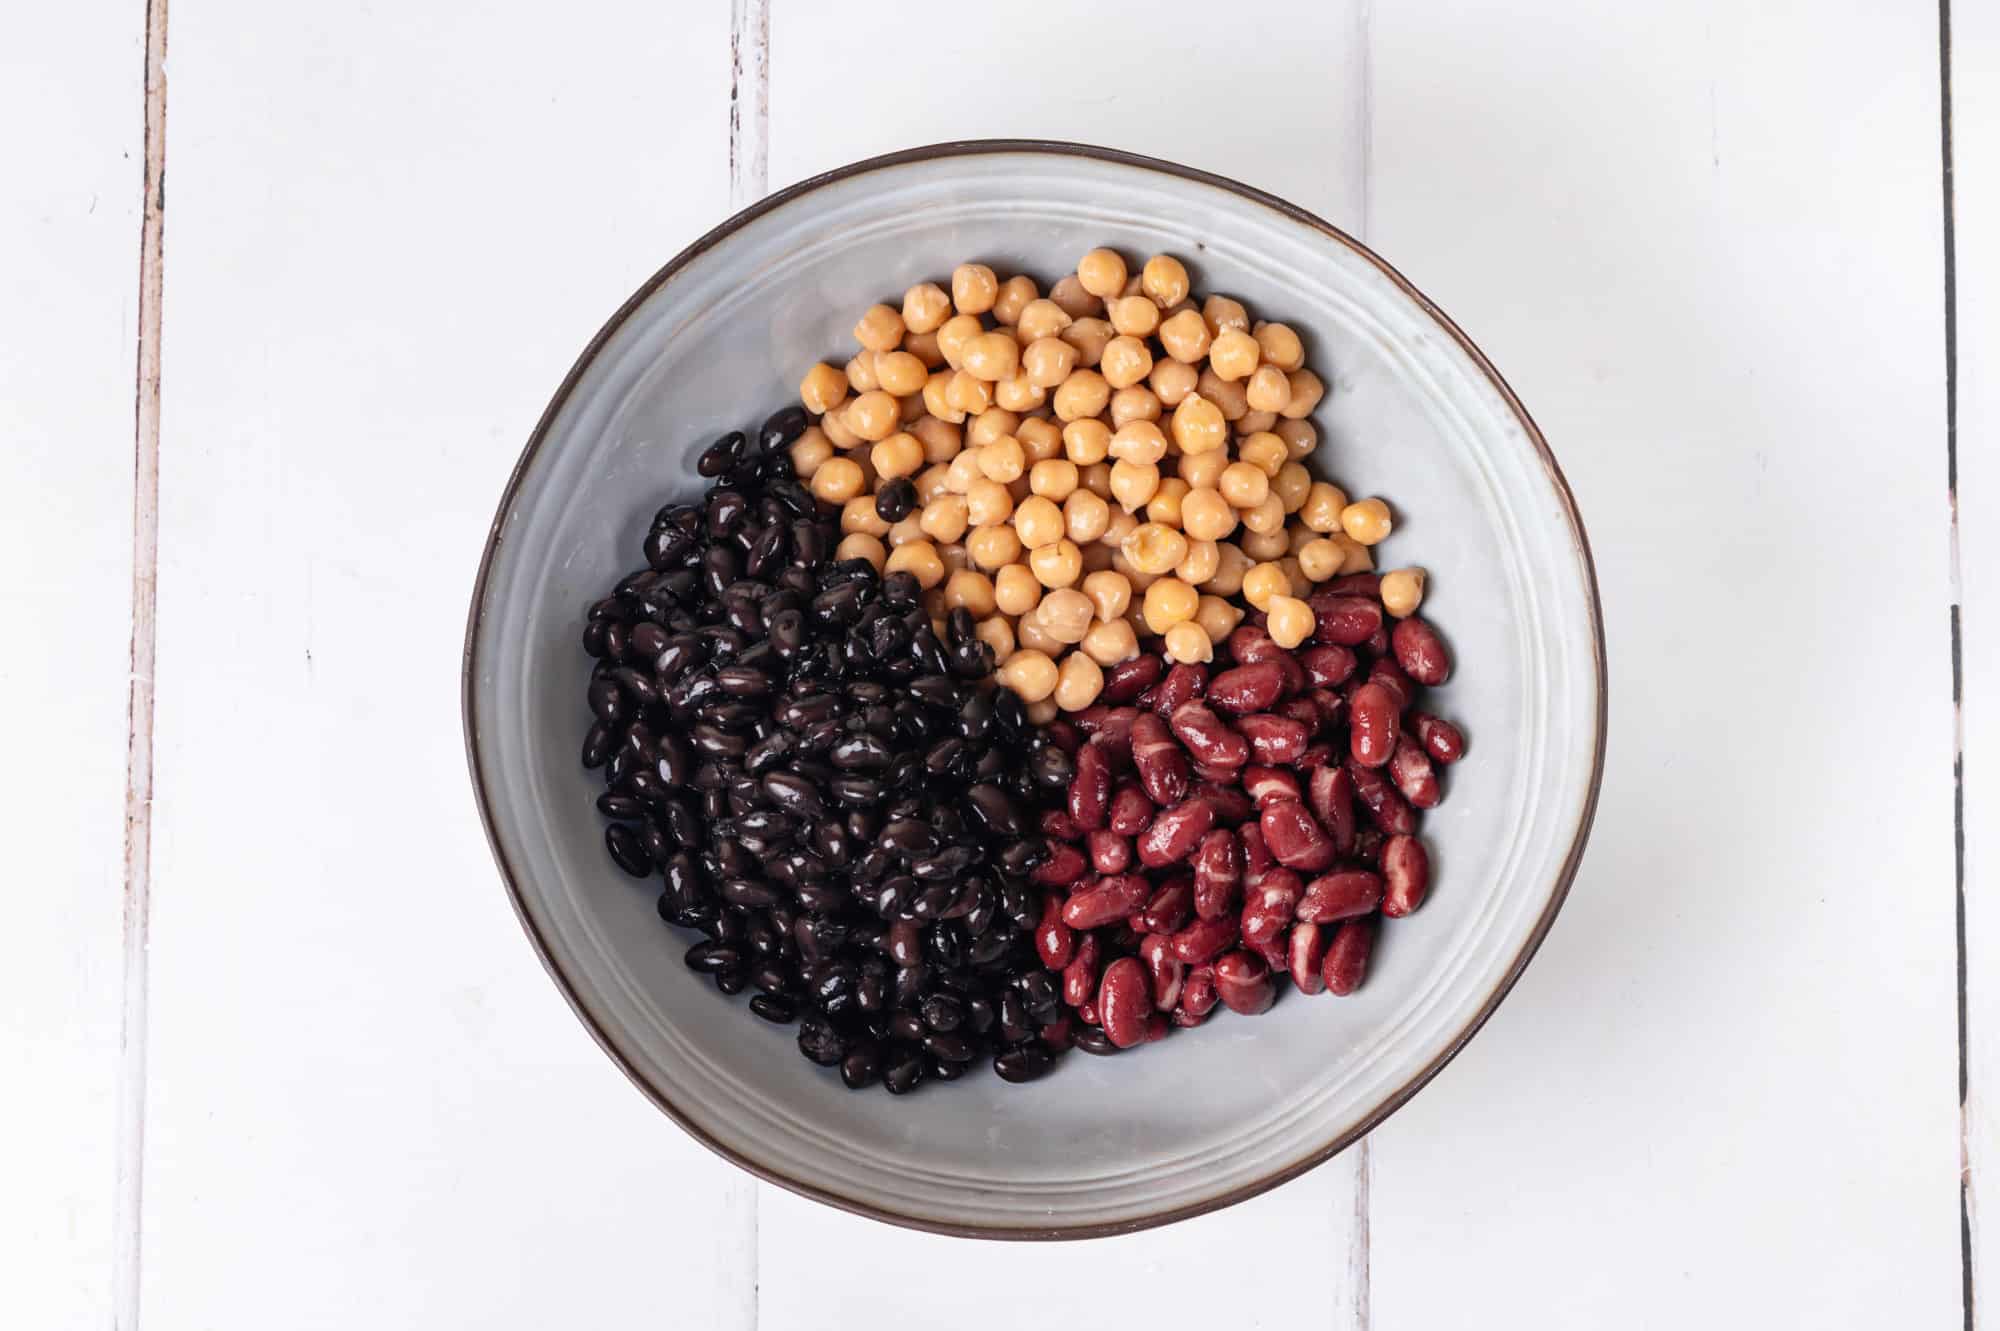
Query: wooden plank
[[819, 1267], [69, 264], [1975, 238], [1703, 241], [393, 230]]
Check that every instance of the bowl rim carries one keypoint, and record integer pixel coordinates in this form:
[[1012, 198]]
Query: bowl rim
[[660, 1095]]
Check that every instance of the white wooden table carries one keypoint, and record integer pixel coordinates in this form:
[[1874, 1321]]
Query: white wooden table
[[273, 1051]]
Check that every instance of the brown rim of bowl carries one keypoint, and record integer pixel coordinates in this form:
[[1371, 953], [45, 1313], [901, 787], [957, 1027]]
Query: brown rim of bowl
[[972, 148]]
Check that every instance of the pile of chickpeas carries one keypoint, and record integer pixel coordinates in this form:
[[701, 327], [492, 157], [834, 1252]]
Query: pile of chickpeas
[[1081, 471]]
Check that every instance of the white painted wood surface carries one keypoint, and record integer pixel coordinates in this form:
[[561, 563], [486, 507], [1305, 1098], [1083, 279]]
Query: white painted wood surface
[[1706, 244]]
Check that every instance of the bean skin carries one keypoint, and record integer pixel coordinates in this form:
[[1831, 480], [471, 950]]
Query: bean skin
[[1406, 871]]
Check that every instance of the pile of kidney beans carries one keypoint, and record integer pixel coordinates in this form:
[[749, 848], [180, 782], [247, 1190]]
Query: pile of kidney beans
[[837, 800], [1229, 826]]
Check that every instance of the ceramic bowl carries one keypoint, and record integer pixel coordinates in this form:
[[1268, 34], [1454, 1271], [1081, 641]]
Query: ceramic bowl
[[718, 338]]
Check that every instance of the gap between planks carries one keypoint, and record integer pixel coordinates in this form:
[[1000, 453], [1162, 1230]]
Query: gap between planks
[[136, 916]]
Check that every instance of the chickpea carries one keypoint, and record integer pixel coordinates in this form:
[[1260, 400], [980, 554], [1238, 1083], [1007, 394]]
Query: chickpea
[[1204, 470], [858, 515], [963, 472], [1043, 712], [1300, 437], [925, 306], [1255, 422], [1003, 460], [1086, 441], [1102, 273], [837, 480], [1019, 394], [919, 558], [987, 500], [933, 481], [989, 425], [1110, 593], [1048, 361], [868, 477], [996, 632], [1366, 521], [1078, 682], [1222, 314], [1280, 346], [924, 346], [1154, 548], [1053, 478], [940, 439], [1295, 576], [1319, 559], [1321, 510], [1206, 515], [1058, 564], [1065, 615], [1138, 441], [937, 398], [1134, 316], [1267, 514], [1233, 355], [1289, 621], [1138, 577], [860, 545], [909, 409], [1292, 484], [899, 455], [1307, 390], [1125, 361], [1226, 394], [1264, 582], [991, 356], [1015, 591], [1133, 483], [1077, 303], [1165, 279], [809, 451], [861, 373], [1171, 381], [1041, 438], [1356, 557], [968, 393], [823, 389], [1038, 522], [1165, 505], [1110, 641], [1402, 591], [1096, 557], [1268, 389], [1217, 617], [879, 328], [1085, 516], [955, 560], [1089, 337], [1198, 425], [1134, 402], [1029, 673], [1015, 295], [956, 334], [946, 518], [1185, 337], [1265, 545], [1188, 644], [1169, 601], [1096, 478], [1083, 394], [910, 529], [1040, 319], [1245, 486], [1264, 451], [1203, 558], [898, 372], [1231, 564], [973, 288], [993, 547], [1122, 525]]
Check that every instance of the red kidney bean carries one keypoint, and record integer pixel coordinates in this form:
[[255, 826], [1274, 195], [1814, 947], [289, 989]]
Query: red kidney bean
[[1343, 620], [1231, 803], [1109, 900], [1406, 869], [1091, 719], [1169, 909], [1176, 832], [1331, 791], [1332, 708], [1109, 852], [1086, 1011], [1305, 954], [1378, 642], [1373, 714], [1368, 843], [1295, 840], [1198, 991], [1161, 762], [1316, 757], [1055, 942], [1090, 788], [1218, 872], [1064, 866], [1164, 969], [1250, 644], [1390, 676], [1356, 584], [1391, 812], [1301, 710], [1079, 978], [1182, 684], [1441, 739], [1210, 776], [1128, 679], [1063, 733], [1269, 905], [1264, 784], [1204, 940], [1421, 652], [1247, 688], [1058, 824], [1186, 1020], [1243, 983], [1410, 768], [1124, 999], [1339, 896], [1346, 962], [1256, 855], [1157, 1027], [1276, 953], [1274, 740], [1210, 741], [1115, 737], [1130, 809], [1058, 1034], [1327, 665]]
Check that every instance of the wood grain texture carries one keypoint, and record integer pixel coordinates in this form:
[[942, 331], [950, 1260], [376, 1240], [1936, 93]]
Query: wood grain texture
[[392, 232], [71, 85], [1703, 242], [1975, 67]]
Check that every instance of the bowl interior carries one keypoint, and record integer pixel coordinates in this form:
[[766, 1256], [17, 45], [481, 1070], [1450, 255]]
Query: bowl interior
[[1212, 1114]]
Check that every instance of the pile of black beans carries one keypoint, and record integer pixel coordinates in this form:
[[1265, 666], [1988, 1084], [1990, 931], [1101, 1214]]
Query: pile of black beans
[[839, 800]]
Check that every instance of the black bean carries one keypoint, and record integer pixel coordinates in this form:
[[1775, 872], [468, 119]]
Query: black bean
[[713, 956], [896, 500], [776, 1008], [626, 849], [950, 1046], [781, 427], [904, 1070], [820, 1041], [1024, 1062], [862, 1066], [1091, 1040], [747, 893], [721, 455], [620, 806]]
